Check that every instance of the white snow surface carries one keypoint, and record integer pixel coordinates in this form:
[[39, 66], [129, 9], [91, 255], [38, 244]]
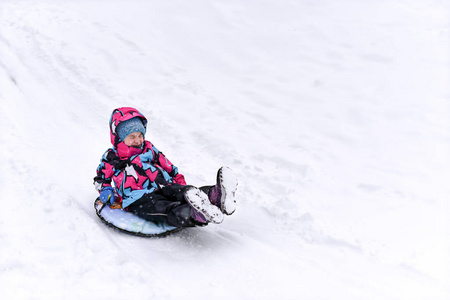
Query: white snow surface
[[334, 115]]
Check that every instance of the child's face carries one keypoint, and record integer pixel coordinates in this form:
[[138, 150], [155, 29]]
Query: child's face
[[135, 139]]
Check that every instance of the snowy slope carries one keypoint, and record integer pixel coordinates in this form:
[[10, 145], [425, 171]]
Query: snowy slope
[[335, 115]]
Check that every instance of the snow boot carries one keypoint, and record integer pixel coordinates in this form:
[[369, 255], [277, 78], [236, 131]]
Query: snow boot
[[203, 211], [223, 193]]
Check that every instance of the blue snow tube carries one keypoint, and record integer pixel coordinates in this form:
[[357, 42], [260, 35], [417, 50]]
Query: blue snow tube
[[130, 223]]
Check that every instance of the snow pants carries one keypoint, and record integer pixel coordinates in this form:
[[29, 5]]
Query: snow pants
[[167, 205]]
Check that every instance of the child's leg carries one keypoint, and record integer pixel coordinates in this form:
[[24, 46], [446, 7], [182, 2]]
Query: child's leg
[[174, 192], [202, 208], [157, 208], [223, 193], [202, 211]]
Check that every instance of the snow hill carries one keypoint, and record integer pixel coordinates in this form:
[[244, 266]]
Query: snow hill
[[335, 116]]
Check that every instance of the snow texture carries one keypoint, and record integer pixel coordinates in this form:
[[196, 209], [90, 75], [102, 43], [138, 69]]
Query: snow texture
[[334, 115]]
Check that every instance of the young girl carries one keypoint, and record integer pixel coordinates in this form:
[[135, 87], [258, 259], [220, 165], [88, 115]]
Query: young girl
[[150, 186]]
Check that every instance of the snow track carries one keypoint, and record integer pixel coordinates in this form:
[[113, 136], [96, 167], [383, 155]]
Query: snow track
[[335, 118]]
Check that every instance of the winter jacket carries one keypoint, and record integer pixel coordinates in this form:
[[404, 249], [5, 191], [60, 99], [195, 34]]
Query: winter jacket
[[135, 172]]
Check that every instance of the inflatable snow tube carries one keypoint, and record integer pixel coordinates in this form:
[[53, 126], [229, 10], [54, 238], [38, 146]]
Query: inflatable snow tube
[[130, 223]]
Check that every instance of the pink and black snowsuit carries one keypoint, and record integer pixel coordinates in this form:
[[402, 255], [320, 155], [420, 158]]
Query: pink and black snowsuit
[[146, 182]]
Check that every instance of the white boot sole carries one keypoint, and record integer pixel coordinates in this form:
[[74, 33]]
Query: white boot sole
[[200, 202], [228, 184]]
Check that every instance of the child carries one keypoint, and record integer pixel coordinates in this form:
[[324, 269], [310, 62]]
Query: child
[[148, 185]]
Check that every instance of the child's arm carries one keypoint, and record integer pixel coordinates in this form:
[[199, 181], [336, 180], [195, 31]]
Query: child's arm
[[164, 163], [105, 171]]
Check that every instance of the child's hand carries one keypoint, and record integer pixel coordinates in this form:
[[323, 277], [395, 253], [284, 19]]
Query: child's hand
[[179, 178], [107, 194]]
